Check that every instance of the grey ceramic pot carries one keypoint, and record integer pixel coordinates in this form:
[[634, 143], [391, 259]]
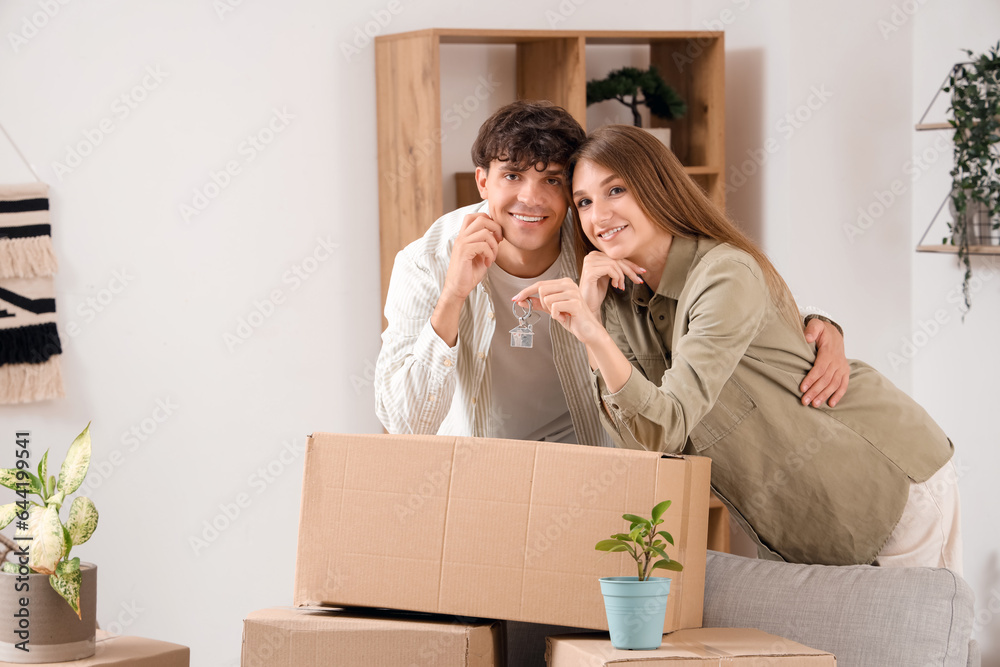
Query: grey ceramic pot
[[49, 626]]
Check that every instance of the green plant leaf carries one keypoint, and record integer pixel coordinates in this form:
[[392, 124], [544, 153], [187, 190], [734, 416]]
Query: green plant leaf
[[659, 509], [47, 543], [66, 581], [671, 565], [610, 545], [667, 536], [8, 513], [10, 568], [8, 478], [633, 519], [74, 467], [43, 471], [660, 552], [82, 520]]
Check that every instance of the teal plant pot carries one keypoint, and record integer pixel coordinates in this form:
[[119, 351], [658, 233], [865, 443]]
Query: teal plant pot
[[636, 610]]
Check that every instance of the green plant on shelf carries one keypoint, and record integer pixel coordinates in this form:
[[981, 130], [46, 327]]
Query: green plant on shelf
[[643, 542], [626, 84], [975, 115], [39, 529]]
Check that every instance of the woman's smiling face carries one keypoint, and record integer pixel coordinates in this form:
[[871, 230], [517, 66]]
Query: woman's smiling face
[[609, 215]]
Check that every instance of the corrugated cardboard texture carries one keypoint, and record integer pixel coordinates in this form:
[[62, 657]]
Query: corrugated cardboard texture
[[310, 638], [120, 651], [695, 648], [489, 528]]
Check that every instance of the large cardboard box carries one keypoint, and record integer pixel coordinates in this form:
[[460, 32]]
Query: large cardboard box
[[489, 528], [122, 651], [731, 647], [337, 638]]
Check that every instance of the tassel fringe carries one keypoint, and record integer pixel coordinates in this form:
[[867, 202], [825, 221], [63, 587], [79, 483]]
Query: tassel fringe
[[21, 383], [27, 257]]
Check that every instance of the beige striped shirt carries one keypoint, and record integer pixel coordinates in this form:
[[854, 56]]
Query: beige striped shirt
[[424, 386]]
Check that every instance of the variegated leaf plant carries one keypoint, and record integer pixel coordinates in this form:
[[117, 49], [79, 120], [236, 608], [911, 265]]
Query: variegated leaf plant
[[40, 530]]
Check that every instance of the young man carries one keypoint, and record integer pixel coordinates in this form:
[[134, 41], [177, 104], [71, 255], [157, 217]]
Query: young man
[[447, 365]]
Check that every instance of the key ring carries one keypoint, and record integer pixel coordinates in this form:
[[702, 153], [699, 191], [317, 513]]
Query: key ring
[[521, 318]]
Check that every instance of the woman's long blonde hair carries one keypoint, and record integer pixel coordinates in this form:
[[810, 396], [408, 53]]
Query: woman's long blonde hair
[[669, 198]]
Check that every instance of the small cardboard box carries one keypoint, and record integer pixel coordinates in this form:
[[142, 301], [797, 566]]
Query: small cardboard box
[[489, 528], [729, 647], [338, 638], [122, 651]]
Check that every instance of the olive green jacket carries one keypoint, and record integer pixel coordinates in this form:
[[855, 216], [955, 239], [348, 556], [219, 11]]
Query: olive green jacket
[[716, 372]]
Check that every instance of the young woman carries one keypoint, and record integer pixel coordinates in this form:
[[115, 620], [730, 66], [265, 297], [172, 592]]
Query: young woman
[[699, 349]]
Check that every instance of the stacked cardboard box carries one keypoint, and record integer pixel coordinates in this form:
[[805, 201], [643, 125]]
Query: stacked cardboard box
[[494, 529], [304, 638], [489, 528], [689, 648]]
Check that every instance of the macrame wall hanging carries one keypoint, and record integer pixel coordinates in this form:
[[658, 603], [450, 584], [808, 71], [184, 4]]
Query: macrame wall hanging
[[29, 341]]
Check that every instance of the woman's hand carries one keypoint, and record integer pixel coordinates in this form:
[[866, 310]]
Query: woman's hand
[[563, 299], [599, 271]]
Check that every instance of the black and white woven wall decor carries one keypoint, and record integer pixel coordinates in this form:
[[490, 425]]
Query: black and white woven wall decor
[[29, 340]]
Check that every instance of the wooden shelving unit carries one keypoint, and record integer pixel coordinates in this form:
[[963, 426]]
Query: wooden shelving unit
[[550, 65]]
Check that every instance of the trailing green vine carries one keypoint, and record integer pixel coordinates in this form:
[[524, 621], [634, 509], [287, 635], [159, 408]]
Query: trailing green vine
[[975, 110]]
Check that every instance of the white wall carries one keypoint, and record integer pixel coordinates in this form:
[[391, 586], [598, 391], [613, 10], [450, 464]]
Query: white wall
[[955, 365], [307, 366]]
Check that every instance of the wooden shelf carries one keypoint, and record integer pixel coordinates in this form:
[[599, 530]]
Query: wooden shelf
[[923, 127], [953, 249]]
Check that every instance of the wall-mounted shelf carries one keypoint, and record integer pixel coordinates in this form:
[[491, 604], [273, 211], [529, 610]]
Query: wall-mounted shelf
[[923, 127], [953, 249]]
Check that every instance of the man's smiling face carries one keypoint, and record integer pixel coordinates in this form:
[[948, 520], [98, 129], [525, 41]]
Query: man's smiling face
[[529, 205]]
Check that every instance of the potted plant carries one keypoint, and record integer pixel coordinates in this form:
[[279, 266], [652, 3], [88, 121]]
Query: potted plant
[[636, 606], [975, 194], [48, 598], [626, 84]]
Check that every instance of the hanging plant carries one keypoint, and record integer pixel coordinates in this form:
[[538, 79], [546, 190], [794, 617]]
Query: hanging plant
[[975, 111]]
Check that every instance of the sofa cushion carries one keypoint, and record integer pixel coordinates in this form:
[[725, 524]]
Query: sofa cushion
[[864, 615]]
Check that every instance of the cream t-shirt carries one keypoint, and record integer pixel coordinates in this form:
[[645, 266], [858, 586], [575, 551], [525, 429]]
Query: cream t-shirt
[[528, 399]]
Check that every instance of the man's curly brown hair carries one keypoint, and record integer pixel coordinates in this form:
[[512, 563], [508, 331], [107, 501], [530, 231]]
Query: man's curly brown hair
[[528, 134]]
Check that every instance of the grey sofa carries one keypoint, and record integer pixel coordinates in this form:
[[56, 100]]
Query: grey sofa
[[866, 616]]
